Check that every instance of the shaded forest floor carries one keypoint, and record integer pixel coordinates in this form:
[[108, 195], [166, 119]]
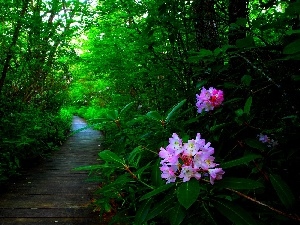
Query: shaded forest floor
[[52, 192]]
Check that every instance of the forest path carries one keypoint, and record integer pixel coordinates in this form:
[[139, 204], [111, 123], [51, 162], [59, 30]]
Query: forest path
[[53, 193]]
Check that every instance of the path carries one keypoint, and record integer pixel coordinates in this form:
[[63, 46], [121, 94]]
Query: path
[[52, 193]]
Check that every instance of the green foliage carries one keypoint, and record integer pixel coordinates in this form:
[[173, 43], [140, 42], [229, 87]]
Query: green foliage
[[234, 213], [188, 192], [35, 56], [132, 71], [283, 191], [142, 58], [240, 161], [29, 135]]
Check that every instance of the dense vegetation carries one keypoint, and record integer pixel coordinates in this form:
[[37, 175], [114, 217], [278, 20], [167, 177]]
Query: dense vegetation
[[133, 69], [35, 50]]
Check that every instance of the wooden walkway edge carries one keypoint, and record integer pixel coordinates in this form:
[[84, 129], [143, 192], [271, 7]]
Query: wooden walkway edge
[[53, 193]]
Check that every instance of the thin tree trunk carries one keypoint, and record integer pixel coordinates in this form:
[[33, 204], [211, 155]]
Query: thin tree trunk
[[205, 24], [15, 38]]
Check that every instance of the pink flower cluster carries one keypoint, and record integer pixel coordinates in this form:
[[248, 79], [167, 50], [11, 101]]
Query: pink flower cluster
[[208, 99], [187, 160], [265, 139]]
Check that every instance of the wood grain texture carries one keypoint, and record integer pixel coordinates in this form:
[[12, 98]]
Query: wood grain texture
[[52, 192]]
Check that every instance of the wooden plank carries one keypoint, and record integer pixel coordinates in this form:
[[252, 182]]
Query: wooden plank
[[52, 192], [46, 213], [49, 221]]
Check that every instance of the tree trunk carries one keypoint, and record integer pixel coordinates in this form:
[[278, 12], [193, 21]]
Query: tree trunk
[[15, 37], [205, 24]]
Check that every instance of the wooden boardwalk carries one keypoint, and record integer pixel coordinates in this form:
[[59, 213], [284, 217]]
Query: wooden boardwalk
[[52, 192]]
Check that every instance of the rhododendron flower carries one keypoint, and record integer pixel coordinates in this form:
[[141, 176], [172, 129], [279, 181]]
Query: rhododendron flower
[[209, 99], [215, 174], [265, 139], [187, 160], [187, 172], [168, 173]]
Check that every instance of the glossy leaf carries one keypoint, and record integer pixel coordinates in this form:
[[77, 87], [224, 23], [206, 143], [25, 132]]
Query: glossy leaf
[[239, 112], [283, 191], [245, 42], [112, 115], [254, 143], [234, 213], [239, 183], [177, 214], [134, 156], [188, 192], [110, 156], [174, 110], [292, 48], [157, 191], [208, 214], [240, 161], [246, 80], [218, 126], [205, 53], [90, 167], [247, 106], [142, 212], [154, 115], [161, 207], [126, 108]]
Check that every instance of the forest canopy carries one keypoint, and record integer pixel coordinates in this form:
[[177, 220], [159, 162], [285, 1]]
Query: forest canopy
[[149, 73]]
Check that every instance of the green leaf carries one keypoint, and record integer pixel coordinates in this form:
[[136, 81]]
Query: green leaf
[[239, 112], [254, 143], [208, 214], [154, 115], [141, 170], [112, 189], [230, 85], [161, 206], [200, 84], [142, 212], [233, 100], [110, 156], [205, 52], [247, 106], [246, 80], [245, 42], [90, 167], [157, 191], [156, 179], [292, 48], [176, 215], [188, 192], [218, 126], [239, 183], [174, 110], [283, 191], [113, 115], [244, 160], [135, 156], [234, 213], [126, 107]]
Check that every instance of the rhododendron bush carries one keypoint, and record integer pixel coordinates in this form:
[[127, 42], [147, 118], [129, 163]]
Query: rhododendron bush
[[172, 172]]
